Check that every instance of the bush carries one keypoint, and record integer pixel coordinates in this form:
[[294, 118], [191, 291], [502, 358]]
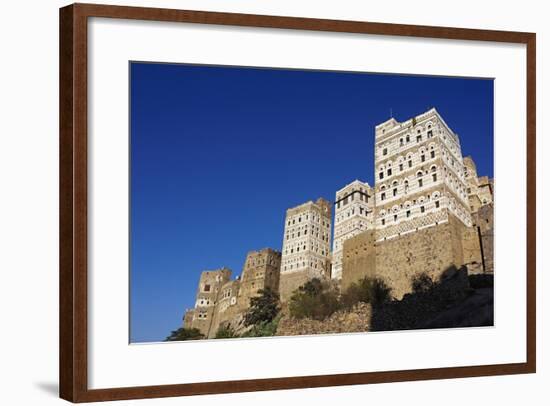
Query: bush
[[422, 283], [263, 308], [263, 329], [183, 334], [315, 299], [226, 331], [366, 290]]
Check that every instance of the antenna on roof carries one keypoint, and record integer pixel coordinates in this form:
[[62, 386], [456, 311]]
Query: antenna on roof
[[391, 112]]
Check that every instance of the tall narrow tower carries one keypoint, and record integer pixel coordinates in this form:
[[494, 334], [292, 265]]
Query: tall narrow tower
[[306, 245], [353, 214], [420, 176], [261, 270], [210, 284]]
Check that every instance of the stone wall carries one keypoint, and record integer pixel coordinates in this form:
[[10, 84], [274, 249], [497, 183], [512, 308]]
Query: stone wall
[[431, 250], [485, 226], [359, 259], [472, 250], [290, 281]]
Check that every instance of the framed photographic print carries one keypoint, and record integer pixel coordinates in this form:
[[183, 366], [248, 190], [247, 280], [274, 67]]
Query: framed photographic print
[[256, 202]]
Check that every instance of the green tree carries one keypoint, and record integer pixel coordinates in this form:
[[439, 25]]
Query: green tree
[[183, 334], [366, 290], [315, 299], [263, 308], [263, 329], [225, 331]]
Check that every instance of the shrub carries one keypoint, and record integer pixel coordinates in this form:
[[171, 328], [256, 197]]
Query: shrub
[[263, 308], [225, 331], [366, 290], [183, 334], [422, 283], [315, 299], [263, 329]]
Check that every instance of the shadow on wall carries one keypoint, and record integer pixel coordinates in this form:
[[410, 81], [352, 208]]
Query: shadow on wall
[[456, 300]]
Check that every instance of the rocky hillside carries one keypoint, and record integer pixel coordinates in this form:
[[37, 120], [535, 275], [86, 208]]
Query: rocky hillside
[[457, 300], [355, 320]]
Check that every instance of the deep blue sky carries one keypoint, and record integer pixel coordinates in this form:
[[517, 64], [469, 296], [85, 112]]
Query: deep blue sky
[[219, 153]]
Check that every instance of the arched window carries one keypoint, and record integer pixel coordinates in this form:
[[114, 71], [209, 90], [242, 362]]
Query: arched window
[[419, 174]]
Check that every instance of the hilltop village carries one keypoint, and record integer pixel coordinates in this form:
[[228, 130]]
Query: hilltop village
[[427, 211]]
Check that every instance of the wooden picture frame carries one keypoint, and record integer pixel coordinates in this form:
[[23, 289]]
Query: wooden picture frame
[[74, 201]]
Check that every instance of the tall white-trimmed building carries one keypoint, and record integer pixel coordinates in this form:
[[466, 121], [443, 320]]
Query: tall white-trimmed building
[[306, 245], [353, 214], [419, 176]]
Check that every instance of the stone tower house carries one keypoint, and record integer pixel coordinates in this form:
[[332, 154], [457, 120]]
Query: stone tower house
[[353, 214], [261, 270], [420, 178], [224, 302], [210, 284], [426, 200], [306, 245]]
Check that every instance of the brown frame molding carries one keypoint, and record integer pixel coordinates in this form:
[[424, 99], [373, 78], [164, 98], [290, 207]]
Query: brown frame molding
[[73, 362]]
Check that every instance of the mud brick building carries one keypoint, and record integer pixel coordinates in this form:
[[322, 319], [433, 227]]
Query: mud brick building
[[427, 211]]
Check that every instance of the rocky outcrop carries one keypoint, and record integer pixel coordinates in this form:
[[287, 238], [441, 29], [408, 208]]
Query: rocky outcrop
[[355, 320]]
